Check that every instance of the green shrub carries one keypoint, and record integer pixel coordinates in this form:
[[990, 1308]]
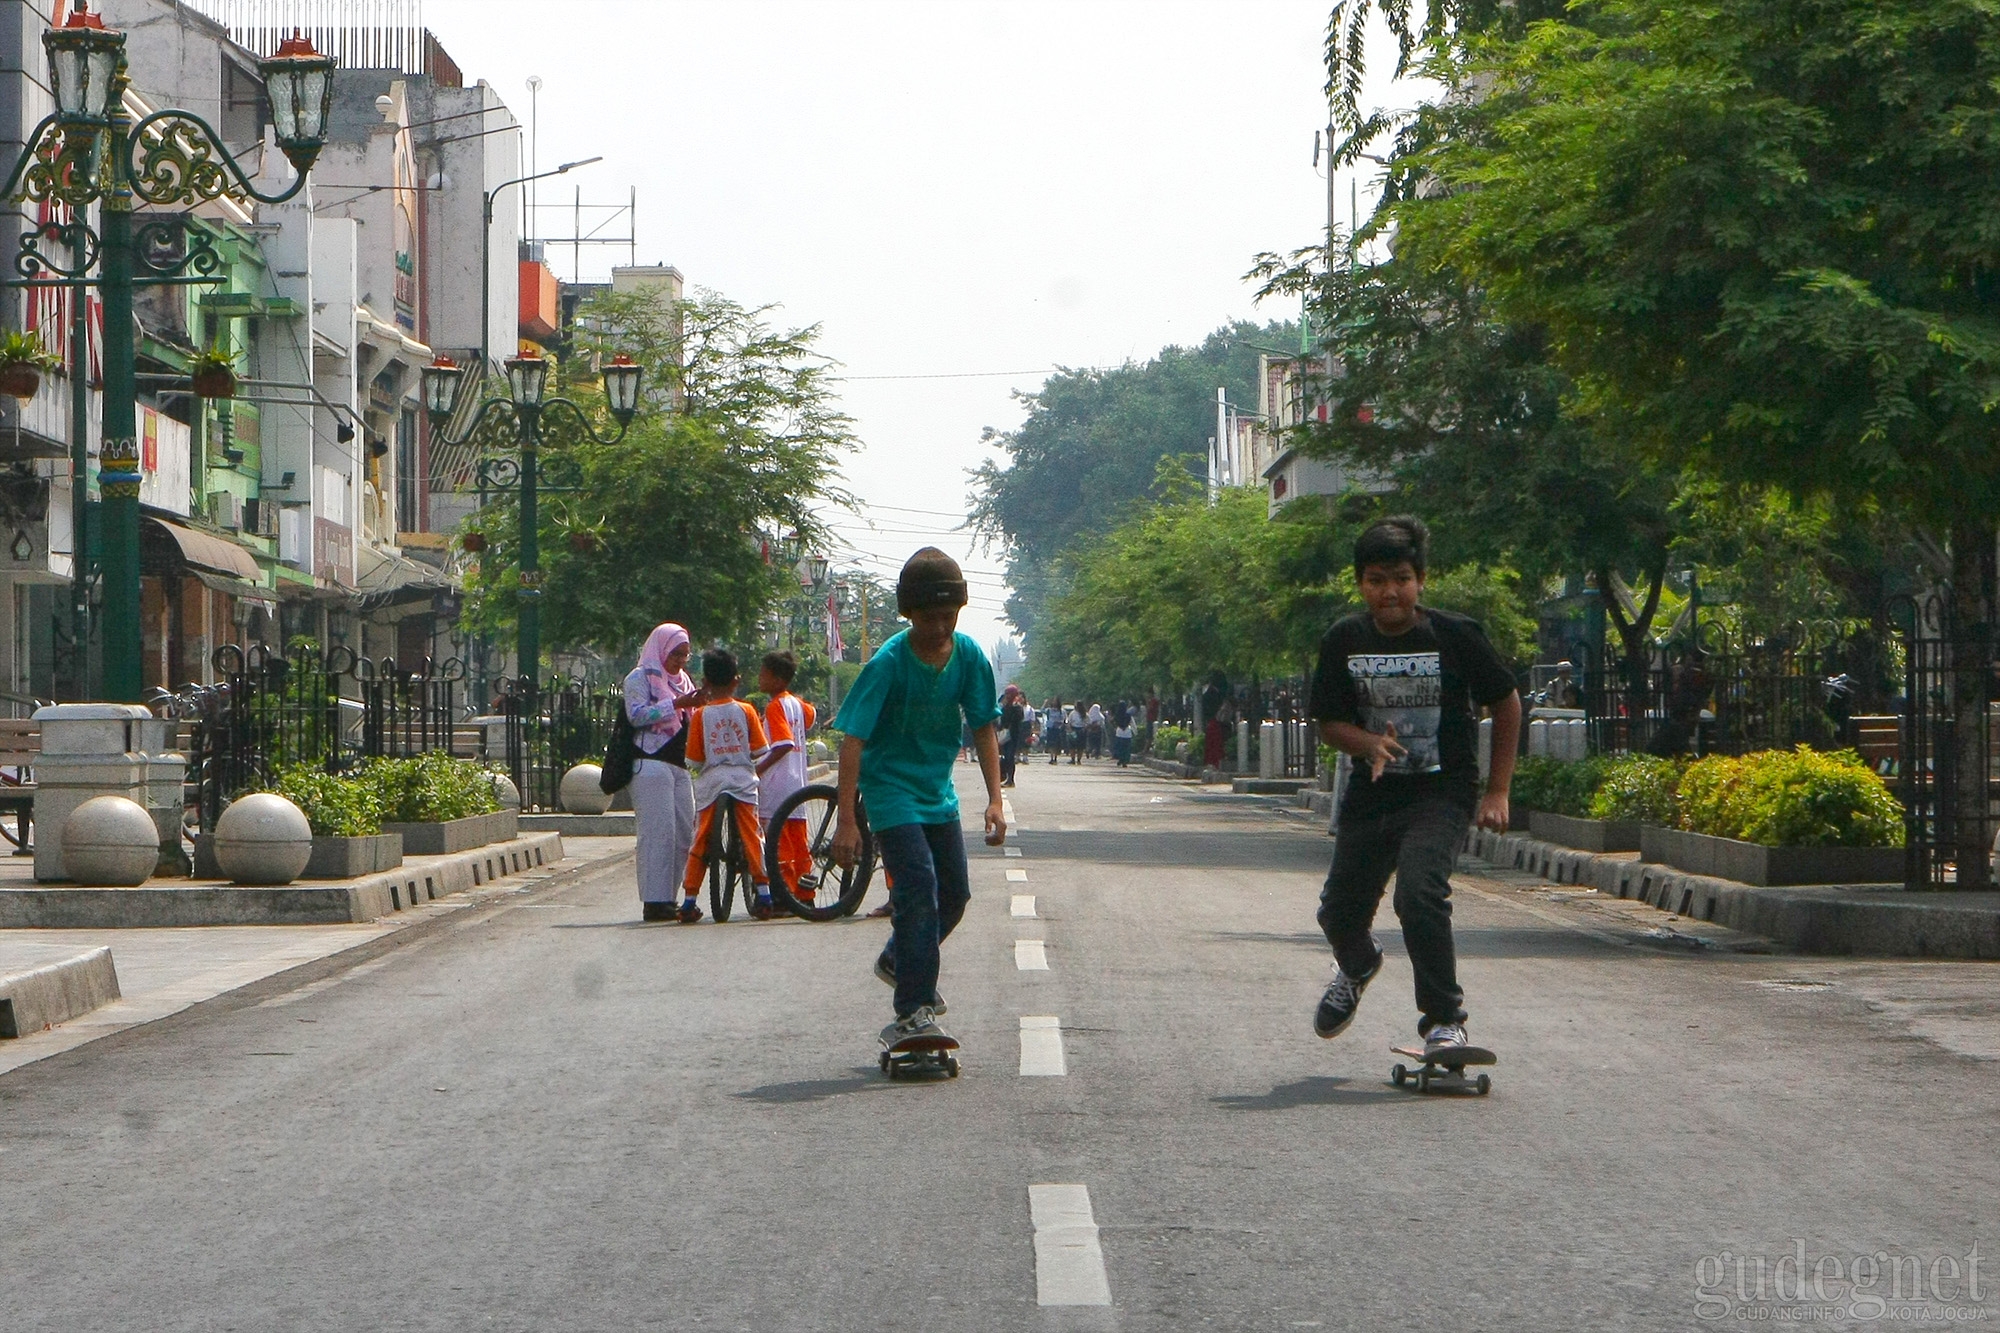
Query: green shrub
[[1638, 786], [336, 807], [1557, 786], [430, 789], [1792, 798], [1165, 738]]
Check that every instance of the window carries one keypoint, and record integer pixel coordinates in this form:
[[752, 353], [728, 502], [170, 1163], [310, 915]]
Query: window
[[408, 519], [245, 108]]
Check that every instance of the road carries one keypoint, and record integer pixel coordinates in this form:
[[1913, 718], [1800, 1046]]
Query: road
[[557, 1118]]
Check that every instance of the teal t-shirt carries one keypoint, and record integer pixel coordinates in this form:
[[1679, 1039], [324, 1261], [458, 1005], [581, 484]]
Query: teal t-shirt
[[907, 714]]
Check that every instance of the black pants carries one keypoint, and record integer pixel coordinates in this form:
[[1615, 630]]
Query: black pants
[[1419, 845], [1010, 750]]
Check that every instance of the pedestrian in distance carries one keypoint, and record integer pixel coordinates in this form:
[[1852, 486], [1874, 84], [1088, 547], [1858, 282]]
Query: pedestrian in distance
[[1395, 687], [1076, 728], [1013, 732], [659, 694], [899, 726], [726, 743], [1054, 730], [1122, 731], [1093, 723]]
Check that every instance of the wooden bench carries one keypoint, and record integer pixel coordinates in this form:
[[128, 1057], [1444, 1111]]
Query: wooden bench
[[1880, 741], [20, 746]]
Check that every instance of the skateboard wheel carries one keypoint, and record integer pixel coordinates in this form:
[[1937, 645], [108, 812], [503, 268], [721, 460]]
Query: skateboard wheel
[[1484, 1084], [1423, 1080], [885, 1062], [1399, 1076], [951, 1066]]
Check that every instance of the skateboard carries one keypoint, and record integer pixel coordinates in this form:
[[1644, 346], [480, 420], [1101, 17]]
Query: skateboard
[[918, 1056], [1445, 1071]]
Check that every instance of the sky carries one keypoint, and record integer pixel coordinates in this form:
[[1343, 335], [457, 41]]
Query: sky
[[962, 196]]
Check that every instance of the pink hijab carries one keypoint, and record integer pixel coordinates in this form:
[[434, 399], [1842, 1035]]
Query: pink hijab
[[665, 685]]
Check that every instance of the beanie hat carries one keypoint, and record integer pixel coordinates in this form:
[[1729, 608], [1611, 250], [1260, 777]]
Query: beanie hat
[[929, 579]]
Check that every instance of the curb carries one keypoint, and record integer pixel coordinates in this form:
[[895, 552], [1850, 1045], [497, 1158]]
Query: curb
[[1841, 920], [57, 992]]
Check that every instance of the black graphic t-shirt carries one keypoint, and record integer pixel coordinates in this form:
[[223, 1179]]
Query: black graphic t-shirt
[[1425, 681]]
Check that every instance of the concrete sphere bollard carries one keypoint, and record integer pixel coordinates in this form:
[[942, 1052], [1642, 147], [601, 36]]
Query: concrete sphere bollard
[[263, 839], [580, 793], [110, 840], [505, 792]]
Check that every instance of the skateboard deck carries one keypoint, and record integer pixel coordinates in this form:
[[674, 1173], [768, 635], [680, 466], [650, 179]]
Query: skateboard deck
[[921, 1055], [1444, 1071]]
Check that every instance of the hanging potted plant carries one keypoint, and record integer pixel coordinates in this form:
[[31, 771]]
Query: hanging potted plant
[[583, 541], [474, 542], [214, 374], [23, 360]]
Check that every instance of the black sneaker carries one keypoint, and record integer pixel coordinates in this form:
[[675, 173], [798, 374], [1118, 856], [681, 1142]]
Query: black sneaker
[[885, 972], [1342, 1000], [657, 912]]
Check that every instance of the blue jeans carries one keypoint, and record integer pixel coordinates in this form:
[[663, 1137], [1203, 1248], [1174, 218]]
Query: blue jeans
[[928, 891]]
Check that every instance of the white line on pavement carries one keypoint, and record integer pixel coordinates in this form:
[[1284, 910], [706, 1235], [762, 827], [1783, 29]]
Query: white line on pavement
[[1024, 904], [1041, 1047], [1010, 851], [1069, 1263], [1030, 956], [1016, 876]]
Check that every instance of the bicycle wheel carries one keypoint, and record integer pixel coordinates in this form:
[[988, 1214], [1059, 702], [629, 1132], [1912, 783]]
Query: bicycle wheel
[[832, 892], [721, 883]]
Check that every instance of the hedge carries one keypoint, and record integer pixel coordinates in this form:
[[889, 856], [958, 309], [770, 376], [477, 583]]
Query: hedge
[[428, 789], [1780, 798]]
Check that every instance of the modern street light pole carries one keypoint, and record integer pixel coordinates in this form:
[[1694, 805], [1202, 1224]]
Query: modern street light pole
[[90, 152], [527, 384], [486, 255]]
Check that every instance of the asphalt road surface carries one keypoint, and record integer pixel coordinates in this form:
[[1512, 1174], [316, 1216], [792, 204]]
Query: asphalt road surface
[[554, 1117]]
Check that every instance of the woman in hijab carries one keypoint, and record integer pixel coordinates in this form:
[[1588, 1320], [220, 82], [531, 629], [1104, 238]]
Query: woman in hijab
[[658, 694]]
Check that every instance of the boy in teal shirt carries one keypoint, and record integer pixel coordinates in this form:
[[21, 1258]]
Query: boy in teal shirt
[[901, 728]]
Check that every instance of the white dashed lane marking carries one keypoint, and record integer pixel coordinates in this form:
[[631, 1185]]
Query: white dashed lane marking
[[1069, 1263], [1041, 1047], [1015, 876], [1010, 851], [1024, 904], [1030, 956]]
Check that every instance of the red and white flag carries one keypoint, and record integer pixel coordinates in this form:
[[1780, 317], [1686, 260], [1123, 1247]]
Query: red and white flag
[[835, 648]]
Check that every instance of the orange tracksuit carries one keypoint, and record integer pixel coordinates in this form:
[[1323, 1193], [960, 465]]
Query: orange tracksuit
[[726, 740]]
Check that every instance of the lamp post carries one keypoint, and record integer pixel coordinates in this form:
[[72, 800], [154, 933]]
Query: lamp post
[[91, 152], [486, 253], [527, 403]]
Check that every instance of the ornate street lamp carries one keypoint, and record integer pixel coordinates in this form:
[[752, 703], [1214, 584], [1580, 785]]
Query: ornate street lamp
[[90, 152], [300, 83], [527, 402], [84, 56]]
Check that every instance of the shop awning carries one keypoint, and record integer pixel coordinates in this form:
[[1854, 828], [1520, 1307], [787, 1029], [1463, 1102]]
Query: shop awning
[[202, 551]]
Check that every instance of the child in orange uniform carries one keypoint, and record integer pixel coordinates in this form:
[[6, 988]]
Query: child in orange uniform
[[787, 720], [727, 741]]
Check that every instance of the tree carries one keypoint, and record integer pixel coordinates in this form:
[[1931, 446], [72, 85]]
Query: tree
[[739, 436], [1759, 235], [1091, 446]]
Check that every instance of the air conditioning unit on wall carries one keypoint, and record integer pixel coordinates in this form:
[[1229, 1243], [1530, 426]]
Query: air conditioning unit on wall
[[225, 510], [294, 538], [260, 517]]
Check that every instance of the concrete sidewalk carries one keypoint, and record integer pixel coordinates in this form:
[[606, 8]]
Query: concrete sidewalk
[[163, 971], [1870, 920]]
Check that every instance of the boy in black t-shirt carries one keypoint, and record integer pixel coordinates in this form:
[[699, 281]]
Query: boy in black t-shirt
[[1396, 688]]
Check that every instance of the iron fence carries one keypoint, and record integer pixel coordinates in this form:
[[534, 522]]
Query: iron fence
[[1946, 769], [569, 722], [274, 709]]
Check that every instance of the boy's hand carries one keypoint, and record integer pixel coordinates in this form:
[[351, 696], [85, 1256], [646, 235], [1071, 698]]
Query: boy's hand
[[846, 844], [1493, 811], [996, 824], [1383, 751]]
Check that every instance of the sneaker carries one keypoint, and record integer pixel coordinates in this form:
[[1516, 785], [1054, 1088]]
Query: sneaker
[[807, 886], [763, 909], [656, 911], [1444, 1037], [1342, 999], [920, 1022], [885, 972], [690, 913]]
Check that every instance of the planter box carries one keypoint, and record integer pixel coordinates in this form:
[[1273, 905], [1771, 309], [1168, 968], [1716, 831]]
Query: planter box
[[457, 835], [1750, 863], [351, 858], [1586, 835]]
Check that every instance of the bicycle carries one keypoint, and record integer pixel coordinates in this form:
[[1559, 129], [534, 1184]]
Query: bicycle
[[729, 867], [835, 892]]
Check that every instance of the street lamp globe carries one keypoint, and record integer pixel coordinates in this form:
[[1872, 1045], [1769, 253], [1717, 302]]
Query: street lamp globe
[[299, 81], [84, 56], [442, 380], [621, 386], [527, 380]]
